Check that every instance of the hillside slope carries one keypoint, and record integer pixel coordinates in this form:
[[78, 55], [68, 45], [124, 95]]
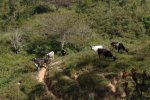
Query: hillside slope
[[32, 28]]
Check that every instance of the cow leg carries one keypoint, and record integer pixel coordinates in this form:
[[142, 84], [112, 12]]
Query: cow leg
[[118, 50], [105, 55]]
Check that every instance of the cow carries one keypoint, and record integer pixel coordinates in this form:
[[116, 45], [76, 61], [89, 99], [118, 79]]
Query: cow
[[119, 46], [40, 62], [50, 55], [106, 53]]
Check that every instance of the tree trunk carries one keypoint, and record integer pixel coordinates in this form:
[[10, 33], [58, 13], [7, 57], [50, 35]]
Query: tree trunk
[[63, 41], [57, 4]]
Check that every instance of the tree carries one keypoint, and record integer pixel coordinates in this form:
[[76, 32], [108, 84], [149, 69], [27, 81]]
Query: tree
[[16, 41], [64, 24]]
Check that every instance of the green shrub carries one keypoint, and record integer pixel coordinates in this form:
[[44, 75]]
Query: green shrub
[[42, 8], [69, 71], [89, 81], [28, 67], [39, 92], [63, 86]]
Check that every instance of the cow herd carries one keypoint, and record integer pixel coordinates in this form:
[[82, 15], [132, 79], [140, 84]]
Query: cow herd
[[106, 52], [43, 62], [119, 46]]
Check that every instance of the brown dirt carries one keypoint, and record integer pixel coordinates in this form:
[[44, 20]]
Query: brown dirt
[[41, 74]]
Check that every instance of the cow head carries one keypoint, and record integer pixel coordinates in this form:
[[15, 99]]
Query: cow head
[[127, 50]]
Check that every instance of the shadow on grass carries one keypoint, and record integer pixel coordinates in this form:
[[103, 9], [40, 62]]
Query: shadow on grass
[[63, 86], [39, 92], [69, 89], [85, 61]]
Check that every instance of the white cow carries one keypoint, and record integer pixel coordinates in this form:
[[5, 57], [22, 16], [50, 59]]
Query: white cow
[[95, 48], [50, 55]]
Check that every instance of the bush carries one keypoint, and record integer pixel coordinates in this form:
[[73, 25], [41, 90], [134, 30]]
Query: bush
[[89, 81], [63, 86], [39, 92], [39, 9], [29, 67]]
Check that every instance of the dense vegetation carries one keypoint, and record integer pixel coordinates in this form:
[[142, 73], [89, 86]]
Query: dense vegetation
[[30, 28]]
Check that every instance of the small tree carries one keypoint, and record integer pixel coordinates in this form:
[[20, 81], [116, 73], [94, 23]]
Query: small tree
[[64, 25], [16, 41]]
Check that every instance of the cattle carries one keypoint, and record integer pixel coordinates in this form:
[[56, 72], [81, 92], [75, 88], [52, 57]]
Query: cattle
[[106, 53], [50, 55], [39, 62], [119, 46], [95, 48], [43, 62]]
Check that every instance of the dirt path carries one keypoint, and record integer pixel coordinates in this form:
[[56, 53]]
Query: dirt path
[[41, 74]]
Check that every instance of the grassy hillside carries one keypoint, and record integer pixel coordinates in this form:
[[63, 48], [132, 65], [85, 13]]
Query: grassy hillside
[[31, 28]]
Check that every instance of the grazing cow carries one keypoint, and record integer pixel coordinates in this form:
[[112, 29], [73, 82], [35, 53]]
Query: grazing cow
[[39, 62], [95, 48], [50, 55], [106, 53], [119, 46]]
